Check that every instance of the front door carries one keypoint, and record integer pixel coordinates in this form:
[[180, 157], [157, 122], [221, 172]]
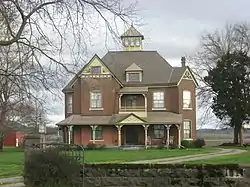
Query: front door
[[131, 136]]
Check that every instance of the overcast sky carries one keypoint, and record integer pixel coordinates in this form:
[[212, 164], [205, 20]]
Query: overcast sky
[[174, 27]]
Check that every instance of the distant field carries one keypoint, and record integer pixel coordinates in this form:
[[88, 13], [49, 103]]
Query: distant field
[[215, 139]]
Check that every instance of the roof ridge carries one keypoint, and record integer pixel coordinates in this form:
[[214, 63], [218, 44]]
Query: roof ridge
[[115, 51]]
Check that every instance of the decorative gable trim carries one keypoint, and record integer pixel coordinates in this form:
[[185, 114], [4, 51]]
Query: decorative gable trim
[[79, 74], [132, 119], [187, 75]]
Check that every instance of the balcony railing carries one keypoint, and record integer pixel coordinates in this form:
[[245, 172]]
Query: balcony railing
[[132, 108]]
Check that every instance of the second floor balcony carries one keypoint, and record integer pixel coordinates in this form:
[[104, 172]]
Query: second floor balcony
[[132, 108], [132, 103]]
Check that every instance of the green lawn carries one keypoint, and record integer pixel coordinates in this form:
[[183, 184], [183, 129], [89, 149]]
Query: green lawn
[[11, 160], [243, 158]]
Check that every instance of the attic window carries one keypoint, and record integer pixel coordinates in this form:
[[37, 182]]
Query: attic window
[[96, 69], [133, 77]]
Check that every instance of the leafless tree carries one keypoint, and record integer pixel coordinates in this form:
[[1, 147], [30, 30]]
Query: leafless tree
[[233, 37], [42, 40], [19, 83]]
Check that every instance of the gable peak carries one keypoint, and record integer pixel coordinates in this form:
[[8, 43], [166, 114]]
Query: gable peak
[[133, 67]]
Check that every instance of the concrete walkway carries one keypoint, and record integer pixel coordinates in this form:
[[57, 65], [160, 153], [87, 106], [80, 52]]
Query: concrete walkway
[[171, 160], [17, 181]]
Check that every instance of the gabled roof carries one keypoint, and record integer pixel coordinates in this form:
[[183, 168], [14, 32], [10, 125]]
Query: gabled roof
[[132, 32], [156, 70], [133, 67], [68, 87], [176, 74], [131, 115]]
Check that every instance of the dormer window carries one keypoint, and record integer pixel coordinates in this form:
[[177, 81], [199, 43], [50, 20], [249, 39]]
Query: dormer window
[[96, 69], [133, 73], [133, 76]]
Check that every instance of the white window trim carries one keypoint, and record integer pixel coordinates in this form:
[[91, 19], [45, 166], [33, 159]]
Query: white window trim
[[95, 108], [183, 107], [131, 72], [158, 108], [96, 140], [69, 102], [187, 138]]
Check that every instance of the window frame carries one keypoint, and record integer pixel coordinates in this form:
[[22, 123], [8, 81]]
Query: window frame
[[99, 67], [137, 42], [187, 130], [187, 102], [158, 131], [132, 42], [129, 73], [69, 103], [98, 129], [95, 105], [158, 104]]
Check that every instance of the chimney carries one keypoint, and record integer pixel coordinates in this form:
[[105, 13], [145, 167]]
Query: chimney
[[183, 61]]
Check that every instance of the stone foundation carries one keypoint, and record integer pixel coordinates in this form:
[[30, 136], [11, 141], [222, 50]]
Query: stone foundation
[[137, 175]]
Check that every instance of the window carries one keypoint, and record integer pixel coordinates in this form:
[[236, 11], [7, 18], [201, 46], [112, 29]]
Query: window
[[95, 99], [126, 43], [133, 77], [137, 43], [131, 101], [98, 133], [132, 42], [187, 129], [69, 100], [187, 99], [159, 131], [158, 100], [96, 69]]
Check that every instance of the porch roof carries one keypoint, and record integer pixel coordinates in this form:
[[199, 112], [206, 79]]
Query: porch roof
[[163, 118], [134, 90], [86, 120], [152, 118]]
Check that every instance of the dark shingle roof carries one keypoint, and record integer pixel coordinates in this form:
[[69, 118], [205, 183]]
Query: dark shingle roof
[[132, 32], [156, 70]]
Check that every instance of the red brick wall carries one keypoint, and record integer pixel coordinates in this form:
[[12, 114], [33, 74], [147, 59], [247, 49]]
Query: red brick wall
[[82, 135], [10, 139]]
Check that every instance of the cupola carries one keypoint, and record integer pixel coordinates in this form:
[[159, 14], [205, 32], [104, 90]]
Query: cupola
[[132, 39]]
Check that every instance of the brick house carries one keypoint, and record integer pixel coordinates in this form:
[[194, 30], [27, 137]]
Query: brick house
[[130, 97]]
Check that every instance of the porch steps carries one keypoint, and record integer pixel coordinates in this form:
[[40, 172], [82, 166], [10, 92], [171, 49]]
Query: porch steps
[[132, 147]]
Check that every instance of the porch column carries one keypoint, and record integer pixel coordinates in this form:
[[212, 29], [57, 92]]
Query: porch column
[[69, 134], [120, 101], [119, 128], [93, 132], [168, 128], [179, 135], [146, 135]]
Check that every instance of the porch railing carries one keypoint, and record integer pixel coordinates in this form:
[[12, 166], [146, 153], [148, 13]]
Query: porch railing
[[132, 108]]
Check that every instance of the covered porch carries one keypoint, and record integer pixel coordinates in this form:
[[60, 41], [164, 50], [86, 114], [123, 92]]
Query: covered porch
[[123, 130], [149, 135]]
